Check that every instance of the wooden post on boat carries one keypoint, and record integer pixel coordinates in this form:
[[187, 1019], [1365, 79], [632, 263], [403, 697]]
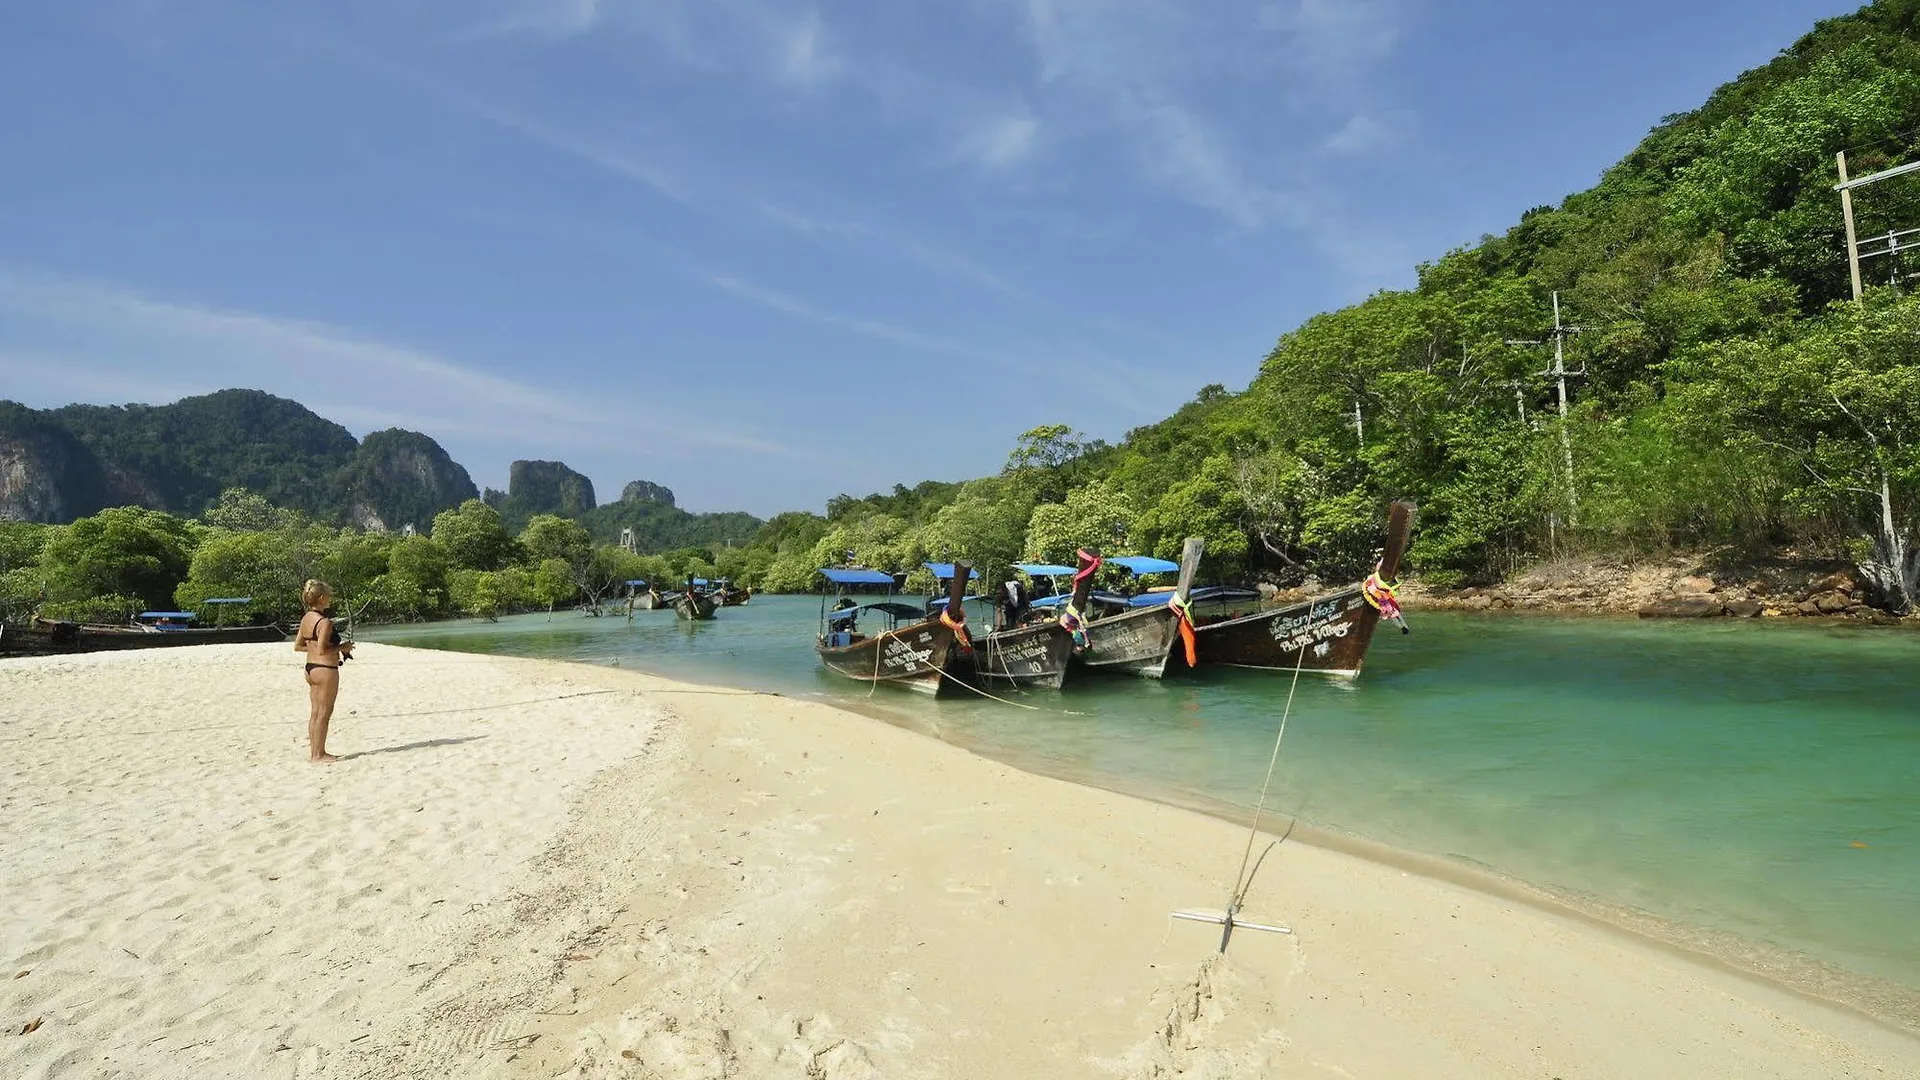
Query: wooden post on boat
[[957, 592], [1189, 565], [1399, 527], [1083, 588]]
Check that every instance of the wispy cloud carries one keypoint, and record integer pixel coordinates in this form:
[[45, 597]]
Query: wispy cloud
[[112, 336], [603, 154], [873, 328], [808, 56], [552, 19], [1336, 40], [1369, 133], [1000, 143], [1117, 57]]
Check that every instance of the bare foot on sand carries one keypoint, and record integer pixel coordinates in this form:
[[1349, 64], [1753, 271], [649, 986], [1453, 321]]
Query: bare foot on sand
[[323, 759]]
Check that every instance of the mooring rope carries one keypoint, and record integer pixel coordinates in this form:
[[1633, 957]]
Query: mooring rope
[[1241, 879]]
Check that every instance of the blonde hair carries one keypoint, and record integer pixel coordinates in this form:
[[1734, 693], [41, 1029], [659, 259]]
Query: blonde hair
[[315, 594]]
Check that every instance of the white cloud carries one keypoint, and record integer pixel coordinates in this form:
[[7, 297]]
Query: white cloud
[[553, 19], [807, 55], [1000, 143], [1367, 133], [1335, 40], [114, 337], [881, 331]]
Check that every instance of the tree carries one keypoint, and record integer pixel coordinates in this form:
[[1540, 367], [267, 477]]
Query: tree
[[262, 565], [548, 536], [473, 537], [126, 550], [1836, 401], [553, 583], [416, 579], [241, 510], [1095, 516]]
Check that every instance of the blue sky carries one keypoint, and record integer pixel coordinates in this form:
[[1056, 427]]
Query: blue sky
[[754, 250]]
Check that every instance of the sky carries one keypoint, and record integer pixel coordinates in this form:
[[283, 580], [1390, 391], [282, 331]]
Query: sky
[[762, 252]]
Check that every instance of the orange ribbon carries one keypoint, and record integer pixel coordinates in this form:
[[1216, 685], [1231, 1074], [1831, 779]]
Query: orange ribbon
[[1184, 621], [958, 626]]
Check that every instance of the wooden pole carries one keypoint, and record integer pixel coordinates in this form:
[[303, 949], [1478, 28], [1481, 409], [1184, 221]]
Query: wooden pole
[[1083, 589], [957, 591], [1189, 565], [1846, 214], [1399, 528]]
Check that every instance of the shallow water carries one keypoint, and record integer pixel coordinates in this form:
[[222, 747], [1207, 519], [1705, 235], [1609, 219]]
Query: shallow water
[[1756, 779]]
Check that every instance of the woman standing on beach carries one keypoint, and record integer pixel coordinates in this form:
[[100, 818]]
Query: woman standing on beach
[[320, 640]]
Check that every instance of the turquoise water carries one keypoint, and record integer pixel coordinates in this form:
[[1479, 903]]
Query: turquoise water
[[1716, 774]]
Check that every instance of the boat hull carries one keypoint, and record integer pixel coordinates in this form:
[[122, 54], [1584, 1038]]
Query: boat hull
[[1033, 657], [46, 637], [1134, 642], [647, 601], [693, 608], [1327, 635], [914, 657]]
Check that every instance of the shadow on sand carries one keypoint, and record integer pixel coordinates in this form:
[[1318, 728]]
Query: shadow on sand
[[421, 745]]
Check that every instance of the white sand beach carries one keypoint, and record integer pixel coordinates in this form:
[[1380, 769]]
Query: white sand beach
[[533, 869]]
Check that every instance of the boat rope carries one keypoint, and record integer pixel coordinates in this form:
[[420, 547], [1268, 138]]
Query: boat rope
[[1016, 704], [1241, 879]]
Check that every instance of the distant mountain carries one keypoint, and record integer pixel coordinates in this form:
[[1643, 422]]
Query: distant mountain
[[400, 478], [60, 464], [658, 525]]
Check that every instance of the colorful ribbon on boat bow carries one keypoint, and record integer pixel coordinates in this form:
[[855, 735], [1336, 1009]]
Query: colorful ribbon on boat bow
[[958, 626], [1070, 616], [1075, 625], [1184, 620], [1383, 595]]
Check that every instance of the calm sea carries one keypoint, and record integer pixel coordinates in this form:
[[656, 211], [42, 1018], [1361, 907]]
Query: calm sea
[[1753, 787]]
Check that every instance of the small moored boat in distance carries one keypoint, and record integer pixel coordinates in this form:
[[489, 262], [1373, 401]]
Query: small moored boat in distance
[[725, 595], [694, 603], [913, 650], [1328, 634], [147, 630], [642, 596]]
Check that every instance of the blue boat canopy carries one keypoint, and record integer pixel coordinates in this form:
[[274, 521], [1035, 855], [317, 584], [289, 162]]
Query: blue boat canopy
[[166, 615], [229, 600], [1145, 564], [856, 577], [944, 571], [635, 582], [699, 581], [1036, 569]]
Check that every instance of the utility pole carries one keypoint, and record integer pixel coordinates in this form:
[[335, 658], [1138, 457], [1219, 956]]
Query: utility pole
[[1846, 214], [1892, 243], [1559, 373]]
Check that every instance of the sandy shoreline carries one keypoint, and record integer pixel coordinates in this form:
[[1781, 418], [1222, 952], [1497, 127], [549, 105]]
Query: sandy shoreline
[[543, 869]]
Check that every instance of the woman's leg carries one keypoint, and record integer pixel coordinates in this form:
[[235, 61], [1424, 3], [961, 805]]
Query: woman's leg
[[323, 688]]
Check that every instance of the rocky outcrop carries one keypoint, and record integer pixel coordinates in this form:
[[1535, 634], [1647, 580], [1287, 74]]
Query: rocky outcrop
[[548, 487], [46, 474], [400, 478], [648, 492], [1681, 586]]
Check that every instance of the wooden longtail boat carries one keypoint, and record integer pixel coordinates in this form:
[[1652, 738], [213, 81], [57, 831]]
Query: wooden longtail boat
[[726, 595], [1031, 653], [914, 654], [1033, 656], [693, 605], [45, 636], [1328, 634], [1141, 639]]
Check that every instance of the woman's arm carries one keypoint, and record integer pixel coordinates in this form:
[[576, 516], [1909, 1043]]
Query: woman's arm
[[300, 635]]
